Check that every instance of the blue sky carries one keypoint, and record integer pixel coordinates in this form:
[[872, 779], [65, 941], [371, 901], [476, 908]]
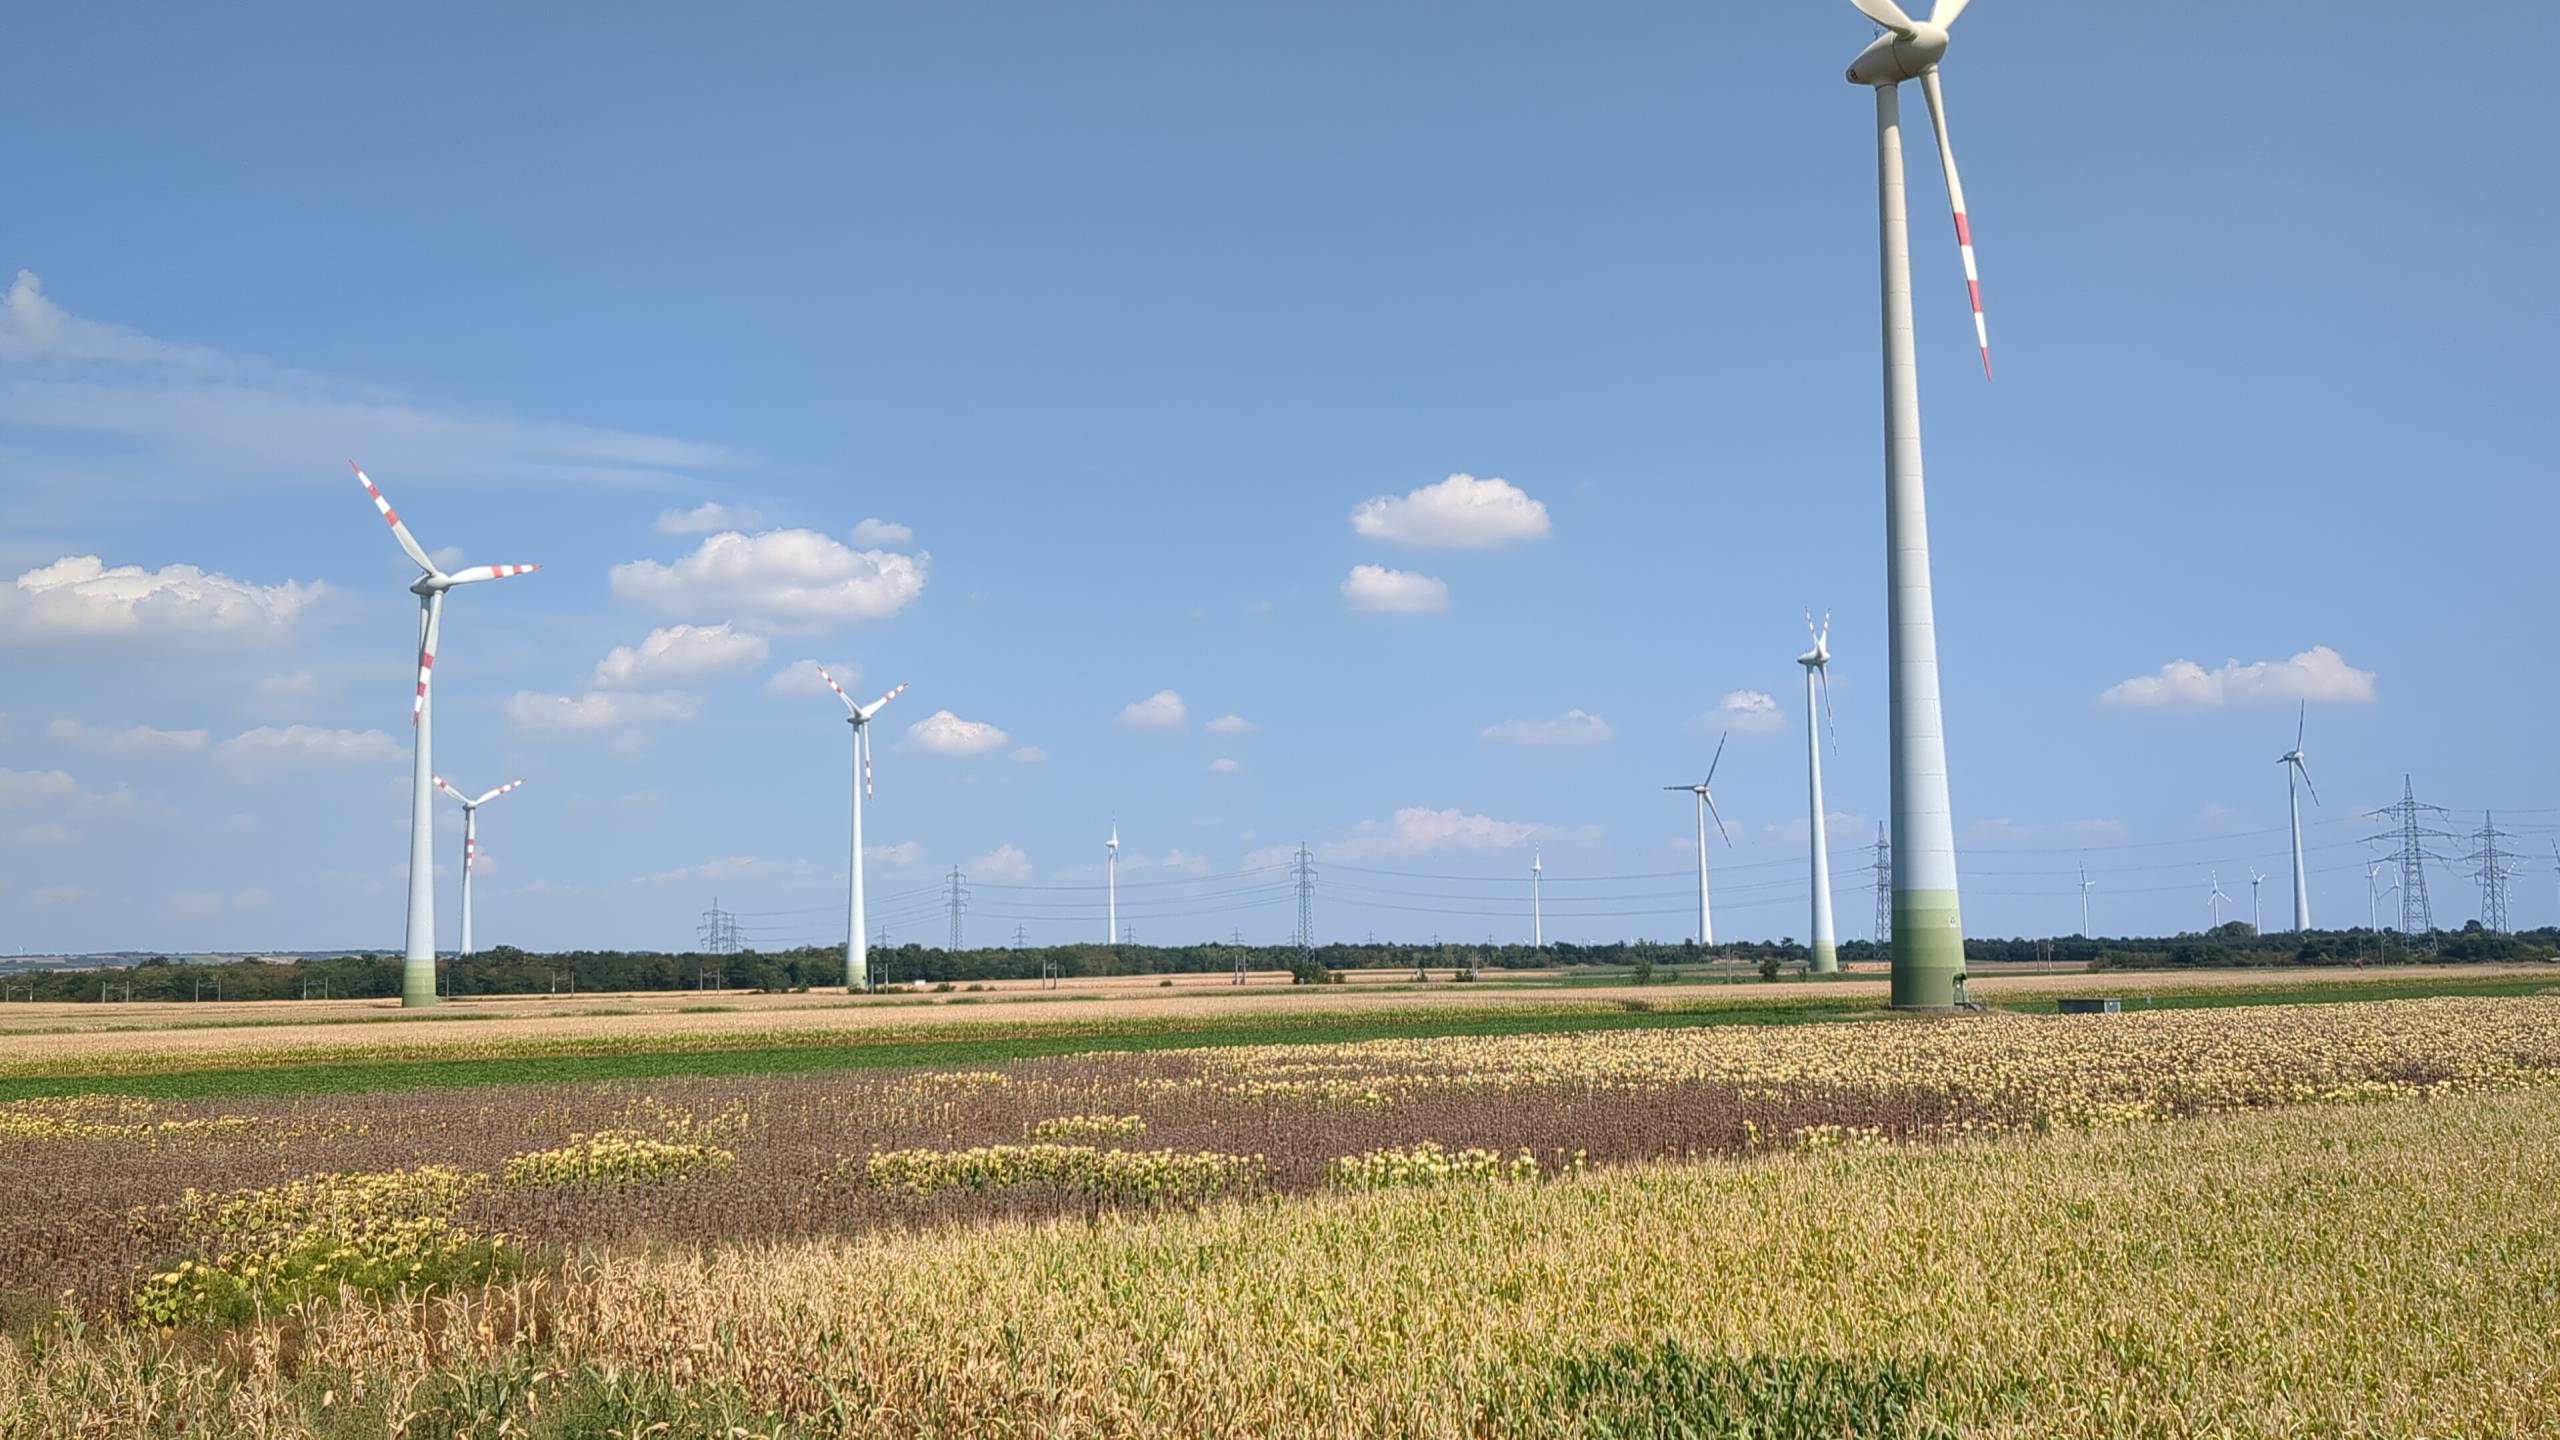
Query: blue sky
[[1120, 316]]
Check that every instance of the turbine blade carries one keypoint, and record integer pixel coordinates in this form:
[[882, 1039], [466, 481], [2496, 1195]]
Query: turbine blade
[[428, 627], [1828, 712], [1964, 226], [2305, 772], [2301, 720], [1720, 830], [1719, 760], [477, 573], [1888, 15], [874, 707], [456, 794], [1947, 11], [494, 794], [399, 531], [850, 708], [865, 733]]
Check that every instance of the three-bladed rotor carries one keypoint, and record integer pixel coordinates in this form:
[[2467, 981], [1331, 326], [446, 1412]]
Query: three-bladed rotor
[[1818, 660], [2295, 757], [1704, 789], [1910, 50], [470, 802], [859, 717]]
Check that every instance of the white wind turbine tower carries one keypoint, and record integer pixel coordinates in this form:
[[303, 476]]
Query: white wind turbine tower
[[2215, 901], [1537, 905], [2257, 908], [418, 962], [1111, 885], [857, 941], [1928, 926], [1825, 951], [2296, 773], [471, 845], [1706, 807]]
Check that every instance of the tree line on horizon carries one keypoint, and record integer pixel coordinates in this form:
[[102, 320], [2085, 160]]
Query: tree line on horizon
[[505, 970]]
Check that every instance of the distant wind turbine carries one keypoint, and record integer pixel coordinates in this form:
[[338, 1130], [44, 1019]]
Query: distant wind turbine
[[418, 960], [2257, 908], [1111, 884], [1537, 905], [1825, 952], [1706, 807], [1928, 924], [2295, 770], [471, 845], [2086, 885], [857, 942], [2215, 901]]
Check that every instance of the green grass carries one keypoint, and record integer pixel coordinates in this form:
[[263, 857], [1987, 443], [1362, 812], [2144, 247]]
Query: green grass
[[823, 1051], [996, 1042]]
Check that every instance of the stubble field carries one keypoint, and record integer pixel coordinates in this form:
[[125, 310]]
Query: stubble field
[[2012, 1224]]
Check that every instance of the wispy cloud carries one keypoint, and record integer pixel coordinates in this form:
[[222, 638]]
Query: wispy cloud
[[81, 597], [243, 417], [1417, 831], [1746, 712], [1572, 728]]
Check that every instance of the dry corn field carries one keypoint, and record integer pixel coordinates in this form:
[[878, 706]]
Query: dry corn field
[[2273, 1220]]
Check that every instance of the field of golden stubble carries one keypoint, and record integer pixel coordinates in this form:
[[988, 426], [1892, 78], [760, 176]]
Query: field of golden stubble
[[2377, 1270]]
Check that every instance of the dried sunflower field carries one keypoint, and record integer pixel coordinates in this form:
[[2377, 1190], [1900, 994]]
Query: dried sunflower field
[[2255, 1221]]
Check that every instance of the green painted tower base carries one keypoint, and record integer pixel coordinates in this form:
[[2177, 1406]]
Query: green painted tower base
[[1825, 959], [1928, 950], [418, 984]]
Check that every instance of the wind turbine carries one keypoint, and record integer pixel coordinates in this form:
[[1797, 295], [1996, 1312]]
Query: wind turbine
[[418, 961], [1817, 667], [2257, 909], [2298, 773], [857, 944], [2215, 901], [471, 845], [1706, 807], [2373, 896], [2086, 885], [1111, 885], [1928, 926], [1537, 907]]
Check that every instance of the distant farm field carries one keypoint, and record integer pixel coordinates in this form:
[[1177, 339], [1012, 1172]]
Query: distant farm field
[[2248, 1220]]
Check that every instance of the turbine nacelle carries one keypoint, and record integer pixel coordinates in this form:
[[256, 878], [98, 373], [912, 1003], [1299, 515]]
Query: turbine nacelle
[[1894, 58]]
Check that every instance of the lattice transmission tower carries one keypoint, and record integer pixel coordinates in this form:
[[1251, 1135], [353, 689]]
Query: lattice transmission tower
[[1304, 872], [2411, 832], [1882, 932], [955, 899], [718, 932], [2492, 865]]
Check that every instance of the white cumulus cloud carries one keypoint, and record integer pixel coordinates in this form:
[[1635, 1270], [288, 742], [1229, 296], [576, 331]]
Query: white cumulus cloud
[[1461, 513], [786, 579], [133, 740], [2319, 674], [596, 711], [1232, 725], [1382, 591], [81, 597], [898, 856], [1004, 865], [1746, 712], [876, 531], [1572, 728], [943, 733], [677, 655], [1417, 831], [801, 677], [705, 518], [1163, 710], [20, 789]]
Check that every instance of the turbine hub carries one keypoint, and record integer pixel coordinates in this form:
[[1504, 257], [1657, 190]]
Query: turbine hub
[[1893, 59]]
